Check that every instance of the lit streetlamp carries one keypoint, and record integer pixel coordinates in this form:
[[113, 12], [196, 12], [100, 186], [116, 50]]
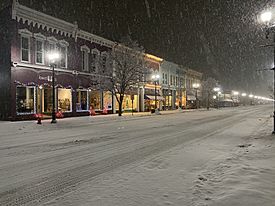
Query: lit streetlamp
[[155, 78], [53, 58], [266, 18], [196, 87]]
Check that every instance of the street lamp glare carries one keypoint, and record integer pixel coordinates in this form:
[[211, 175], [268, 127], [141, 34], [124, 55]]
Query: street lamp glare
[[157, 76], [251, 96], [196, 85], [266, 17], [153, 76], [53, 56], [244, 94], [235, 93], [216, 89]]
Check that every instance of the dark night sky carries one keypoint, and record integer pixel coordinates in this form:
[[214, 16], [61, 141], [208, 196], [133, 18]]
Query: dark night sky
[[221, 38]]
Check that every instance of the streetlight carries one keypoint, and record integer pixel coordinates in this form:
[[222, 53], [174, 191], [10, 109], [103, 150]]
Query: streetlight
[[266, 18], [196, 87], [53, 57], [155, 78]]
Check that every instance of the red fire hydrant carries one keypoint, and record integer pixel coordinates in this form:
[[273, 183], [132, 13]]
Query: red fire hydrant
[[105, 111]]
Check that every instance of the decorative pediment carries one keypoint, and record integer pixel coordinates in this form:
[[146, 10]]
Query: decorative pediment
[[64, 43], [52, 39], [25, 32], [95, 51], [40, 36], [85, 48]]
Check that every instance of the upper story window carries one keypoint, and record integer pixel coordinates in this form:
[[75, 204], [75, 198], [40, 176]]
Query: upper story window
[[39, 48], [25, 38], [85, 58], [94, 60], [64, 53], [104, 62], [163, 78]]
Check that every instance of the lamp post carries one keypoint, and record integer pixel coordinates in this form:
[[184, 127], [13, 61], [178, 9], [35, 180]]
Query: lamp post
[[196, 87], [155, 78], [53, 57], [266, 18]]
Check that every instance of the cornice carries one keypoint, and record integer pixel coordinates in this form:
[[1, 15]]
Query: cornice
[[39, 19]]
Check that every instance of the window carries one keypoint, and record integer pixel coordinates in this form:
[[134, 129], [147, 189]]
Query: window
[[39, 48], [82, 100], [65, 100], [94, 60], [166, 78], [163, 78], [85, 58], [104, 62], [25, 49], [63, 60], [25, 100], [95, 100], [107, 100]]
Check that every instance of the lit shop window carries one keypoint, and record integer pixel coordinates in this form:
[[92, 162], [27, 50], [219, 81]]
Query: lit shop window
[[95, 100], [82, 100], [25, 100], [25, 49], [107, 100], [127, 103], [65, 100]]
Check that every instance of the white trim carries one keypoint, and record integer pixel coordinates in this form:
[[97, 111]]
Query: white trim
[[25, 32], [43, 51], [29, 48], [85, 48], [39, 36], [52, 40], [63, 43], [45, 21], [34, 101]]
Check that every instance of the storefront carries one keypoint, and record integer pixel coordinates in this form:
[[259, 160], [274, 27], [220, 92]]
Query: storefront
[[25, 100], [128, 104]]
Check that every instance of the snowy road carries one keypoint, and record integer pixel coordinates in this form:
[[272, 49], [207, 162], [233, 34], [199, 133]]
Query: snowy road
[[123, 161]]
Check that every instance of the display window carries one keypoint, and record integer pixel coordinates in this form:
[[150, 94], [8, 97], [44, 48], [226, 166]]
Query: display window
[[82, 100], [95, 99], [65, 100], [127, 103], [107, 100], [25, 100]]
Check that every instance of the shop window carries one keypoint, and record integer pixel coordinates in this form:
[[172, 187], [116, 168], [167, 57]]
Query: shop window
[[25, 49], [25, 100], [107, 100], [82, 100], [127, 103], [95, 100], [39, 48], [48, 100], [65, 100]]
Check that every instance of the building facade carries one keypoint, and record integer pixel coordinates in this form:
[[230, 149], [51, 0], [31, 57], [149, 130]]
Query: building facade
[[27, 36]]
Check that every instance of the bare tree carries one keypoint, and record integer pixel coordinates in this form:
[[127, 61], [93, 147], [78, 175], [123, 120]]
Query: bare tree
[[128, 68], [208, 86]]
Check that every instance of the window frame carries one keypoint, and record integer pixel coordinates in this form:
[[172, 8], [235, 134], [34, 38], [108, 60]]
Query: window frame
[[85, 51], [34, 100]]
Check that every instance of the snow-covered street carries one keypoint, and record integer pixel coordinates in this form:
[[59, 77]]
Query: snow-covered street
[[220, 157]]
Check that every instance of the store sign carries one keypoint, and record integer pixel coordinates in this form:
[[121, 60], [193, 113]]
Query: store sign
[[46, 78]]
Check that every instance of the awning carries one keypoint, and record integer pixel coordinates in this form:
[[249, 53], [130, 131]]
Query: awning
[[191, 98], [150, 97]]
